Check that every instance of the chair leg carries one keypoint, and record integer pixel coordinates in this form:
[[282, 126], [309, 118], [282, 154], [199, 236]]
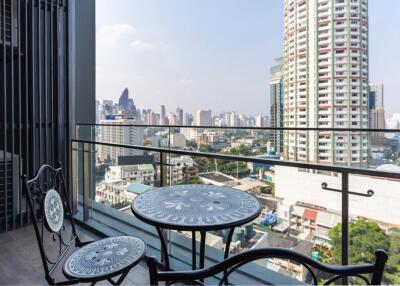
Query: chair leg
[[120, 280]]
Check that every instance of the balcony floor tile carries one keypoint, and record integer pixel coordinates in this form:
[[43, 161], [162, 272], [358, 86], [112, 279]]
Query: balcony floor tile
[[20, 262]]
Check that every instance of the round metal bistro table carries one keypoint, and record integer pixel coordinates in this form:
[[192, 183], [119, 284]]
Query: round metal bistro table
[[194, 208]]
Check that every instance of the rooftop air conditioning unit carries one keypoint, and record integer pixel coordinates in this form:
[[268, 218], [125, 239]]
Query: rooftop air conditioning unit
[[9, 20], [9, 194]]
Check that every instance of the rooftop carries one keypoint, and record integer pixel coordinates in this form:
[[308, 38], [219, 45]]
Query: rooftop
[[137, 188], [135, 160], [217, 177]]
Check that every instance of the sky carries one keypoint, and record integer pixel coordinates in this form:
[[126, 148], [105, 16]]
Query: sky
[[215, 54]]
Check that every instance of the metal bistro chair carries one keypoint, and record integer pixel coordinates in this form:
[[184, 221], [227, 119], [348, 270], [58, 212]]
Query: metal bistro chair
[[104, 259], [231, 264]]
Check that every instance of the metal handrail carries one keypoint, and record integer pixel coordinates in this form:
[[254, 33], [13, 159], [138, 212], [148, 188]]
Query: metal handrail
[[345, 171], [248, 128], [320, 167]]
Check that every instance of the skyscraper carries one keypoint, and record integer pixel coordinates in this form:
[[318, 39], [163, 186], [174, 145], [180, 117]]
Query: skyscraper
[[163, 115], [179, 113], [126, 104], [188, 119], [377, 89], [116, 134], [377, 120], [276, 100], [376, 108], [203, 117], [326, 79], [172, 119]]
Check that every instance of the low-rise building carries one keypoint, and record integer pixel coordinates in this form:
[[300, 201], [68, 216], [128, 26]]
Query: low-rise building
[[248, 142], [118, 192], [288, 267], [305, 187], [178, 140], [183, 169], [143, 174], [218, 179], [251, 186]]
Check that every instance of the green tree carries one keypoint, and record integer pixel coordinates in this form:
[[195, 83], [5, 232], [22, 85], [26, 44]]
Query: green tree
[[392, 273], [272, 186], [196, 180], [364, 236], [191, 143], [242, 150], [207, 148]]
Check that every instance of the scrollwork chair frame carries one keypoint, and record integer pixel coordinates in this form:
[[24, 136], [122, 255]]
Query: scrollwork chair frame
[[228, 266], [49, 178]]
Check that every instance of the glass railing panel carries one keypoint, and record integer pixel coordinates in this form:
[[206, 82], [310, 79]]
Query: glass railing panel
[[293, 216], [87, 132], [223, 140], [106, 179], [306, 203]]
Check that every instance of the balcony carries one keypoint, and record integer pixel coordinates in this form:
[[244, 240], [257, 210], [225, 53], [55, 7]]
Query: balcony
[[47, 64], [322, 190]]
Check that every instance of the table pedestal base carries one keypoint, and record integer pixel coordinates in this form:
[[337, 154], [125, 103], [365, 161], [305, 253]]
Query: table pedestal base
[[203, 234]]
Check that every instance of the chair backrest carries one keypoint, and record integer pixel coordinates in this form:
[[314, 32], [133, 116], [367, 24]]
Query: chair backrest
[[371, 274], [49, 205]]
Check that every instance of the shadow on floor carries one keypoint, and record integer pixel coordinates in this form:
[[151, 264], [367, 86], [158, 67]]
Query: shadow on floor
[[21, 264]]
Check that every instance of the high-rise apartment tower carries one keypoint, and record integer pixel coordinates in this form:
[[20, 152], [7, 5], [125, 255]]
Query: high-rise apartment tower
[[276, 100], [326, 80]]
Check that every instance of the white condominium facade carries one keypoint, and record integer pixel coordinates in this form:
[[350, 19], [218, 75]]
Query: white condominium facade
[[326, 80], [117, 134]]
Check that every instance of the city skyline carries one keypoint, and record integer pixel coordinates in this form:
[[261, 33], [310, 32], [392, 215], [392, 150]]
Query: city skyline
[[110, 112], [184, 50]]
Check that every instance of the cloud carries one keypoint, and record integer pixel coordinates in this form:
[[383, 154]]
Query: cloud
[[139, 45], [109, 35], [185, 82]]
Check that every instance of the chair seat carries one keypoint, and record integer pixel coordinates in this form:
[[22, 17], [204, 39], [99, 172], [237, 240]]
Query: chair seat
[[105, 258]]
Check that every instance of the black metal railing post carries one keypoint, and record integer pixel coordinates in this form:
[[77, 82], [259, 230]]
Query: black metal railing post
[[74, 176], [163, 169], [345, 218], [86, 181], [345, 222]]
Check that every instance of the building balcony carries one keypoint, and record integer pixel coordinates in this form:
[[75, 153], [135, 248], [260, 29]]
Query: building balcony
[[49, 86], [110, 215]]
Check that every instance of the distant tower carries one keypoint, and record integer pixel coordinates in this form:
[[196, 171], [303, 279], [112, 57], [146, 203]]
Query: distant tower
[[179, 113], [163, 115], [203, 117], [188, 119], [127, 104], [124, 99], [276, 100], [172, 119], [377, 89], [376, 108]]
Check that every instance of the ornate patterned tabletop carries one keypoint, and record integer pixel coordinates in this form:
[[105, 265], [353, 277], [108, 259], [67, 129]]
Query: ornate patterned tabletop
[[196, 207], [105, 257]]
